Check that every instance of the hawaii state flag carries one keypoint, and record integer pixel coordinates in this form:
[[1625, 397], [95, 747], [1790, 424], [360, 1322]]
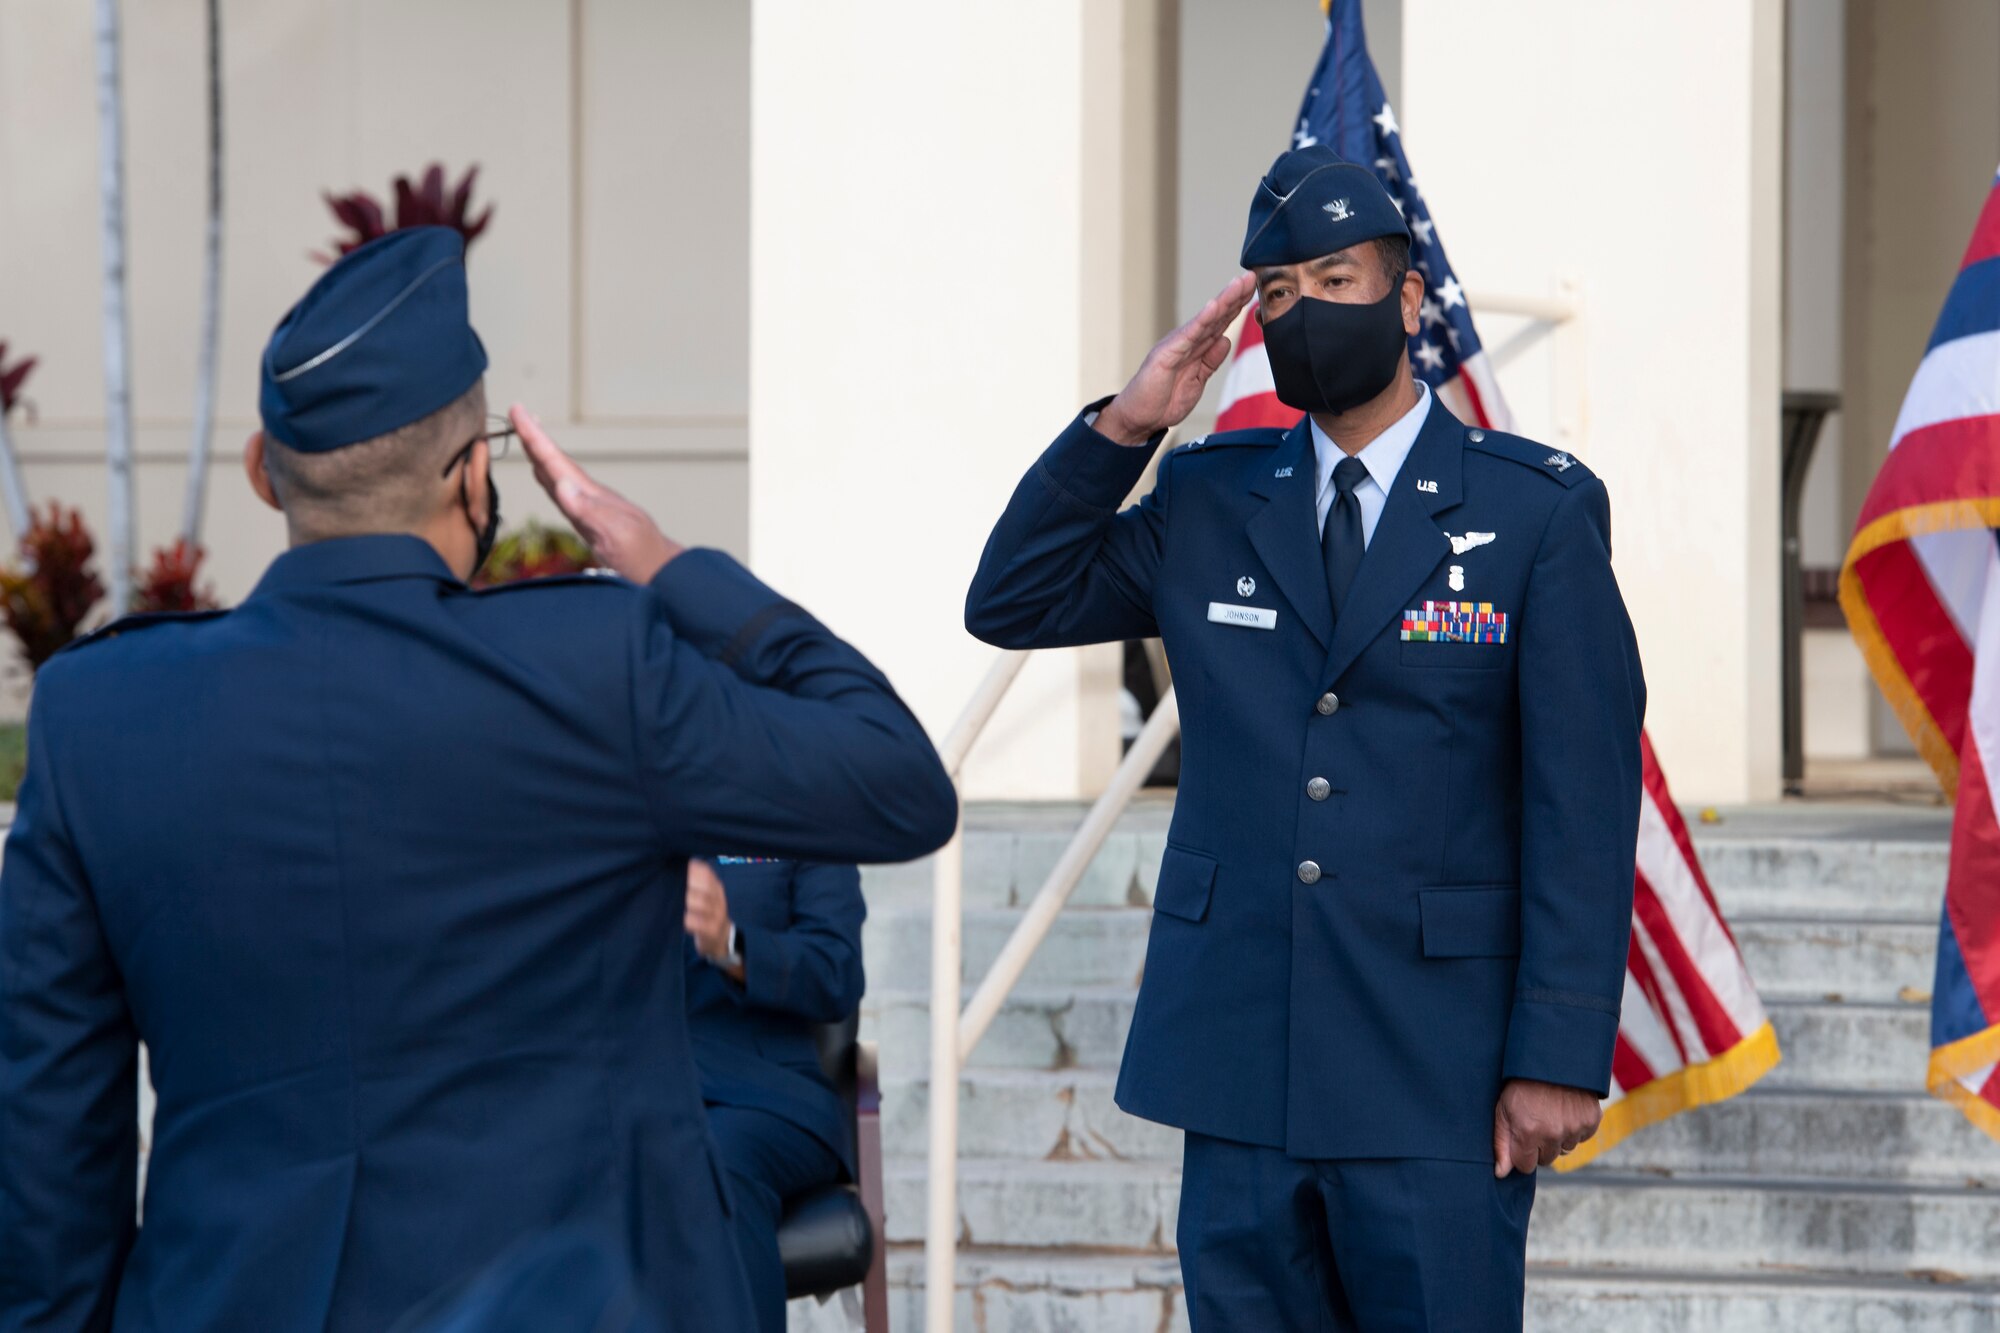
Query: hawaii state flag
[[1692, 1029], [1921, 588]]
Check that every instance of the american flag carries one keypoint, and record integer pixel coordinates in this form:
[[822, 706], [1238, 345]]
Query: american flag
[[1692, 1029], [1921, 588]]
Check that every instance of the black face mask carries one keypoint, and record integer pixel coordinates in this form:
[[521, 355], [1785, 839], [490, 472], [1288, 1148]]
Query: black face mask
[[483, 538], [1330, 356]]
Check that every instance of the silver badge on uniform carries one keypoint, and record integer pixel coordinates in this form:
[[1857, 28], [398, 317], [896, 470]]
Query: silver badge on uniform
[[1245, 586], [1460, 545], [1338, 211], [1457, 579]]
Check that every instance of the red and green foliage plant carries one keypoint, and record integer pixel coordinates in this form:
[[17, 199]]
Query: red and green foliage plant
[[534, 551], [424, 204], [169, 583], [11, 379], [46, 597]]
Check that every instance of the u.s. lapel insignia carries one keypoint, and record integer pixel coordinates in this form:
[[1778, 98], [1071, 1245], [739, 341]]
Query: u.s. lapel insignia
[[1460, 545], [1428, 487], [1457, 579], [1282, 472]]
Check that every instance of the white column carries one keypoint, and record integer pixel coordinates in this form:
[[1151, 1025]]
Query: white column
[[1635, 150], [939, 279]]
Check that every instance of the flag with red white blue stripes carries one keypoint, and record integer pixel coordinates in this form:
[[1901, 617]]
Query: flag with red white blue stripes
[[1692, 1029], [1921, 589]]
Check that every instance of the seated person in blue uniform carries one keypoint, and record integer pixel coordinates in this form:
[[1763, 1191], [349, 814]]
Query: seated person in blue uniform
[[774, 948], [388, 874]]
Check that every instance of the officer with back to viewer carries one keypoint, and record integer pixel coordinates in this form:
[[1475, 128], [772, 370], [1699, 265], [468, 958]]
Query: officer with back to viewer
[[1389, 937], [388, 874]]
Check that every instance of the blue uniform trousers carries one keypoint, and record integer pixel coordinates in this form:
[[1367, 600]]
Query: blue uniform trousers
[[1279, 1244], [769, 1159]]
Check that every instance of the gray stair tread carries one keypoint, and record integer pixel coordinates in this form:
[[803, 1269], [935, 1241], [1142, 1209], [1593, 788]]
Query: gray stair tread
[[1743, 1183]]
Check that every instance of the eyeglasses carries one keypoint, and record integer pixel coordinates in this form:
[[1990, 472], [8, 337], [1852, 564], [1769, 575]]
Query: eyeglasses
[[498, 437]]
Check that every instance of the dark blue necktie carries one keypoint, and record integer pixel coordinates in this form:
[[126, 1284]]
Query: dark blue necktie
[[1340, 540]]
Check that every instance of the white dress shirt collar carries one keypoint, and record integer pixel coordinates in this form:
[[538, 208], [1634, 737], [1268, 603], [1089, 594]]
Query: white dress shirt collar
[[1383, 457]]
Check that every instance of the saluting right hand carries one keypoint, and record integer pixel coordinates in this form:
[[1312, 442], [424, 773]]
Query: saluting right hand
[[1169, 381], [622, 535]]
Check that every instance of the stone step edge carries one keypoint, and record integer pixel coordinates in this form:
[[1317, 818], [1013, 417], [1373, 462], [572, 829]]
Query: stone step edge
[[1107, 1075], [1085, 1270], [1918, 1284], [1760, 917], [1044, 995], [1003, 1170]]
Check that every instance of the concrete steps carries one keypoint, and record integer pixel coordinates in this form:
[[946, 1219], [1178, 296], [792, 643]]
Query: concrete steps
[[1818, 1133], [1873, 1045], [1719, 1224], [1589, 1300], [1723, 1224], [1833, 1195], [1014, 1292]]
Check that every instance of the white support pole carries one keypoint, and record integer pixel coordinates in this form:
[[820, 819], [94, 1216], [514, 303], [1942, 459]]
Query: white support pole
[[1040, 917], [211, 296], [13, 490], [979, 710], [121, 542], [1548, 309], [947, 981], [947, 978]]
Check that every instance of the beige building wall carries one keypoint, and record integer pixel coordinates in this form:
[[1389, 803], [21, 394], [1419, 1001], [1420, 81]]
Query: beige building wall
[[956, 242], [965, 229], [1568, 139], [611, 289]]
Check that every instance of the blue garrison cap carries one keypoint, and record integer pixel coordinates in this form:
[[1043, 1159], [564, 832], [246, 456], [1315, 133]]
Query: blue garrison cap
[[1313, 202], [382, 339]]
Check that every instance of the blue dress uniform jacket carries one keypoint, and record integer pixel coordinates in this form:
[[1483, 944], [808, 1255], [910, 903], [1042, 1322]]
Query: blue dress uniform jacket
[[1400, 870], [388, 875], [799, 925]]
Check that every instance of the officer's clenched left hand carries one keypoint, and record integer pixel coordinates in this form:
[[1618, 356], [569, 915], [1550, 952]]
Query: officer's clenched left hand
[[624, 536], [1535, 1123]]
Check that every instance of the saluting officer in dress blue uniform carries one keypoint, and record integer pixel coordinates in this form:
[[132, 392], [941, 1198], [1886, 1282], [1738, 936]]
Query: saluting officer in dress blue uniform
[[774, 948], [1389, 936], [388, 874]]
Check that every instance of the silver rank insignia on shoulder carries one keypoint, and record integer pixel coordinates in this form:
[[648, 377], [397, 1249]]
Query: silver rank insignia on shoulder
[[1460, 545], [1561, 462], [1428, 487], [1245, 586]]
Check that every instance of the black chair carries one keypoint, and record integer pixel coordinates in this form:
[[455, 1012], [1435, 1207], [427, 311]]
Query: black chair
[[831, 1237]]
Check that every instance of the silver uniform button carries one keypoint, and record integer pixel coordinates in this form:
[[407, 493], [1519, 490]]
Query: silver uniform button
[[1328, 705], [1308, 872], [1319, 789], [1475, 435]]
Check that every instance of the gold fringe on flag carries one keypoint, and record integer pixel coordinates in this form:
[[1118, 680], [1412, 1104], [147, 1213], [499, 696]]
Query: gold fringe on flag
[[1715, 1079]]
